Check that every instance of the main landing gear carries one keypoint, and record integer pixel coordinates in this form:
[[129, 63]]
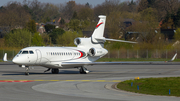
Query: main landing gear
[[55, 71], [83, 70], [47, 70]]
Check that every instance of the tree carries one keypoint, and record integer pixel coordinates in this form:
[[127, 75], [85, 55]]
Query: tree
[[31, 26], [18, 38], [114, 25], [75, 16], [177, 34], [142, 5], [74, 24], [54, 34], [46, 39], [85, 13], [69, 9], [77, 25], [62, 23], [37, 40], [150, 15], [107, 7], [67, 39], [49, 28], [13, 16]]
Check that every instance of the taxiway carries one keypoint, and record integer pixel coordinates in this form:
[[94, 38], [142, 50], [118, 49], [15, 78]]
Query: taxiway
[[70, 85]]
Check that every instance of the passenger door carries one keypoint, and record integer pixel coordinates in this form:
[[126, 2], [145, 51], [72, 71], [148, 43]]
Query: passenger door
[[38, 56]]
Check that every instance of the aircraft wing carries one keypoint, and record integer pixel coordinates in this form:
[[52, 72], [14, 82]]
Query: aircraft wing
[[117, 63], [121, 63]]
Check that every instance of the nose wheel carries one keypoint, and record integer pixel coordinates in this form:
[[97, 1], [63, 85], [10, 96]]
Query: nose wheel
[[27, 70]]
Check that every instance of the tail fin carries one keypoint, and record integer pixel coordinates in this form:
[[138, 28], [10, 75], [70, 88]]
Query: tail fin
[[97, 36], [99, 31]]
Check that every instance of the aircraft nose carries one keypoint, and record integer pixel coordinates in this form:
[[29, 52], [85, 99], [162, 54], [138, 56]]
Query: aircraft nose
[[15, 60]]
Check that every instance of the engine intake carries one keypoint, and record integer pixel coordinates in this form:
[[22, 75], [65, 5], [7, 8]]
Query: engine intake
[[97, 52], [77, 41]]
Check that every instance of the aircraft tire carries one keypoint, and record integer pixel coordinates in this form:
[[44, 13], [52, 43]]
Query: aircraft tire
[[81, 71], [55, 71], [26, 73]]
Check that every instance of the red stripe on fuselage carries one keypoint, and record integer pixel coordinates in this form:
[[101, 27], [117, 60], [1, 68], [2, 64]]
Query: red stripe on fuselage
[[99, 24], [81, 54]]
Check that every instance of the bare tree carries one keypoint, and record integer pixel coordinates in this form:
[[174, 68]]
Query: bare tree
[[107, 7], [13, 16], [143, 4]]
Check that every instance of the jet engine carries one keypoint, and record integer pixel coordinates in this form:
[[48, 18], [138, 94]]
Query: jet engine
[[82, 41], [97, 52]]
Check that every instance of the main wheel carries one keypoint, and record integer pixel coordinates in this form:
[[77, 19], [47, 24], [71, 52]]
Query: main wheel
[[27, 73], [82, 70], [55, 71]]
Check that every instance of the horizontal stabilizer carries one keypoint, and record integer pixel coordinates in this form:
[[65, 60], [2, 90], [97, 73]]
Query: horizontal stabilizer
[[106, 39], [119, 40]]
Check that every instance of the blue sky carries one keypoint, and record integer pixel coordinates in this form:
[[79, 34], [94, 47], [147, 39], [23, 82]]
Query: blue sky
[[92, 2]]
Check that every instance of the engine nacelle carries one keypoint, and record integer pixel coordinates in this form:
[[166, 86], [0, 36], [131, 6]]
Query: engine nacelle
[[97, 52], [82, 41]]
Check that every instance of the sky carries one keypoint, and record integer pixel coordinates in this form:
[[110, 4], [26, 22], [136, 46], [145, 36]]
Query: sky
[[91, 2]]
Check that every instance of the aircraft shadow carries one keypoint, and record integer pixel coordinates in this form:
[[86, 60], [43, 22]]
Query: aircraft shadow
[[5, 73]]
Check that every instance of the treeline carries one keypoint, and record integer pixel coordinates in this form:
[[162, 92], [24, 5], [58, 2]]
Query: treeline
[[20, 22]]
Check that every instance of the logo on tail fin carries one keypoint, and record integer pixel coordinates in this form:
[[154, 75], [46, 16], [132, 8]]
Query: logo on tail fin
[[99, 24]]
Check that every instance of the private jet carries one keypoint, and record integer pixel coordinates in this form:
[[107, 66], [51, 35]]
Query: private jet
[[88, 50]]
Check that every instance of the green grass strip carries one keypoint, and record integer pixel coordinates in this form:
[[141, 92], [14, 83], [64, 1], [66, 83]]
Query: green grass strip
[[153, 86]]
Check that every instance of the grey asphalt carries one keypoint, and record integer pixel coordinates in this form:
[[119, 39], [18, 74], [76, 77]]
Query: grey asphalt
[[80, 87]]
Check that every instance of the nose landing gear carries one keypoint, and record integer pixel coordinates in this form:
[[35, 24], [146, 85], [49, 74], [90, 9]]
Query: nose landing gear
[[27, 70]]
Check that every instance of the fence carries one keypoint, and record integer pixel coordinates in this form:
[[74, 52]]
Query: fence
[[10, 54], [123, 53], [164, 54]]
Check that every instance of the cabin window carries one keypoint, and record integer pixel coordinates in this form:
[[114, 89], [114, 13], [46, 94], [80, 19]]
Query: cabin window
[[20, 52], [31, 52], [25, 52]]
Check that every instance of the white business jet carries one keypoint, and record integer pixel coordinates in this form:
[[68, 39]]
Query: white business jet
[[88, 50]]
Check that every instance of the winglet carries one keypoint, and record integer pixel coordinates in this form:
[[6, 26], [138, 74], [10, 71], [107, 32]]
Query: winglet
[[173, 58], [5, 57]]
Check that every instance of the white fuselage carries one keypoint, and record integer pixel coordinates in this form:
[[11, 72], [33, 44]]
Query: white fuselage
[[52, 57]]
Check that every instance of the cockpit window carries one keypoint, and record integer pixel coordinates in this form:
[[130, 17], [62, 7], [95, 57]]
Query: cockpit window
[[25, 52], [31, 52], [20, 52]]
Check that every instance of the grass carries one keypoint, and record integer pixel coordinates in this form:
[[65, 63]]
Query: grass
[[153, 86], [133, 59]]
